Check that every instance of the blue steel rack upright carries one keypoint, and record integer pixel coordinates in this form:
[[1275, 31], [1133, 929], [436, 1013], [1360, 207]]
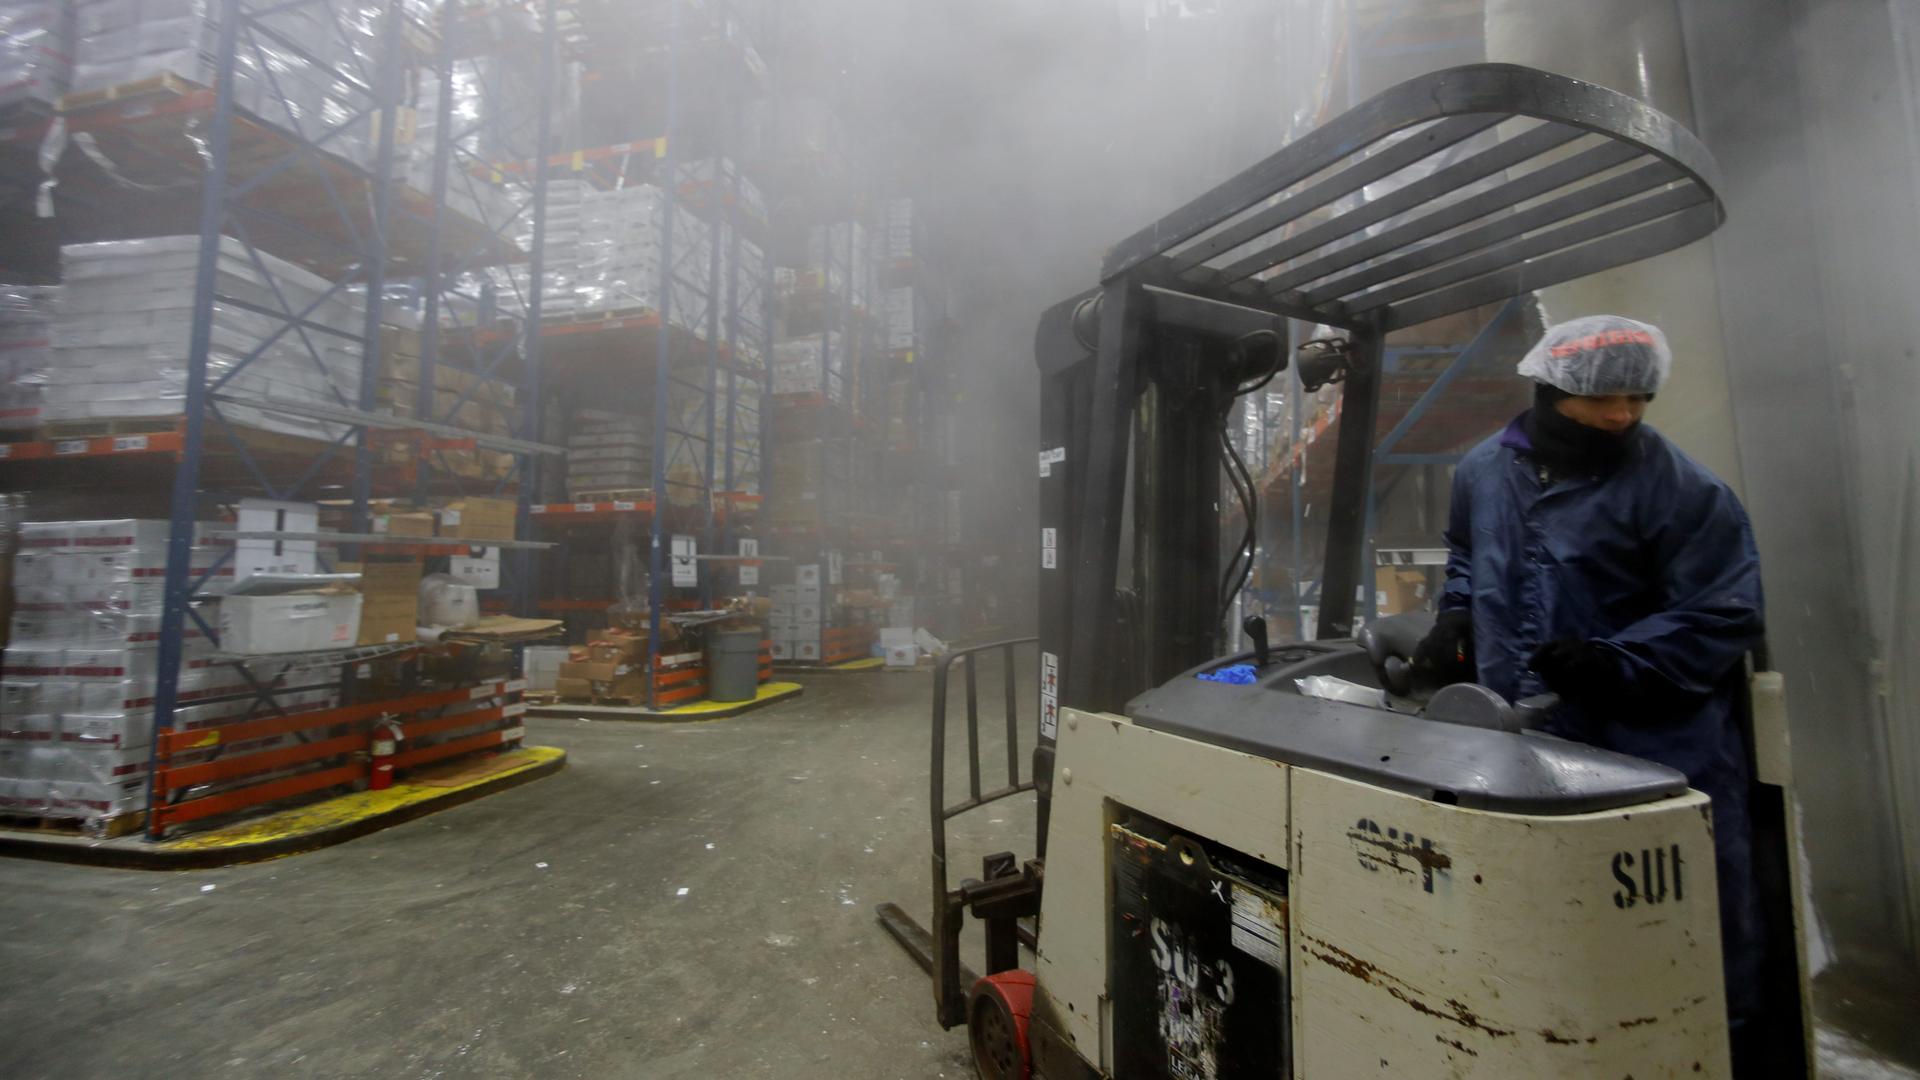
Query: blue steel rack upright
[[722, 223], [225, 209]]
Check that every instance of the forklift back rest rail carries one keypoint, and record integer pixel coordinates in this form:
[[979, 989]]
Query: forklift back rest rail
[[976, 798]]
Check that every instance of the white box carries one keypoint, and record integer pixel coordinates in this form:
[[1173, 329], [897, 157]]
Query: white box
[[38, 727], [807, 650], [808, 594], [896, 635], [541, 665], [809, 574], [804, 613], [782, 650], [482, 572], [784, 594], [276, 556], [121, 730], [903, 656], [295, 622]]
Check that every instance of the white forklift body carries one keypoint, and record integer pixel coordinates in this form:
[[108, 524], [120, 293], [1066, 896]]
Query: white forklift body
[[1413, 939]]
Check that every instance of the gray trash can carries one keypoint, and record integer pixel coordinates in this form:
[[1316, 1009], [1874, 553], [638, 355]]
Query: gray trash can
[[733, 665]]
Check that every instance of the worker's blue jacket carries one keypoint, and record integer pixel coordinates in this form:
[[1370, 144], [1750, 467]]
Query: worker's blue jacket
[[1654, 560]]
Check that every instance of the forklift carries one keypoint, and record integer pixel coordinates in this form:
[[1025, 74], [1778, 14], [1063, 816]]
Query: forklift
[[1242, 879]]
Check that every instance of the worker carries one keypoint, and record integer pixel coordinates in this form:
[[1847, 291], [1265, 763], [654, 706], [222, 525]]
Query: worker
[[1590, 558]]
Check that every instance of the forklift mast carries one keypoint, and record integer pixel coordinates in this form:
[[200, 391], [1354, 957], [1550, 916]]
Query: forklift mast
[[1498, 180]]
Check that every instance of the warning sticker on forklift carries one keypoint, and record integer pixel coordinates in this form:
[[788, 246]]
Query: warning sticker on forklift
[[1049, 695], [1049, 548], [1260, 927]]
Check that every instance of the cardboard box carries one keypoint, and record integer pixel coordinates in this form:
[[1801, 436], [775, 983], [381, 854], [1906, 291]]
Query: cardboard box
[[571, 689], [479, 519], [1399, 591], [591, 670], [294, 622], [404, 523], [390, 599]]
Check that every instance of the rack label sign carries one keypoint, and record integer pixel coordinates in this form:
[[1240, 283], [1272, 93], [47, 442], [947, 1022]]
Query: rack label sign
[[749, 549], [1049, 695], [686, 574], [67, 447], [1049, 548], [1050, 458], [127, 443]]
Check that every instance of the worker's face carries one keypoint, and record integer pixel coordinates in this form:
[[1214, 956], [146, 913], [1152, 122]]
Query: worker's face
[[1612, 412]]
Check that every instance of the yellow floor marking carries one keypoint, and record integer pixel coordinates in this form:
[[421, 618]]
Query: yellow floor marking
[[346, 809]]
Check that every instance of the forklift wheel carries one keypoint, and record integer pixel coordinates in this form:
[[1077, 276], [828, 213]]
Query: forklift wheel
[[997, 1025]]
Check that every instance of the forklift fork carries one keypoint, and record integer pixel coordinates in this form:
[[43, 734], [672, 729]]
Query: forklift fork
[[1006, 892]]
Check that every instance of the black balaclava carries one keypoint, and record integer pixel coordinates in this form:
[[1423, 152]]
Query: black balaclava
[[1567, 445]]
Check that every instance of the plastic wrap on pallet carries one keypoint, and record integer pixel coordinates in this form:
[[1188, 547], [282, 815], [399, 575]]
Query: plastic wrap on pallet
[[816, 363], [78, 681], [36, 50], [26, 351], [124, 318], [311, 86], [902, 319], [900, 229]]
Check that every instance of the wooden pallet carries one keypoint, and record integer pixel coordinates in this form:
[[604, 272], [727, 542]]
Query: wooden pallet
[[93, 428], [165, 84], [635, 495], [108, 828]]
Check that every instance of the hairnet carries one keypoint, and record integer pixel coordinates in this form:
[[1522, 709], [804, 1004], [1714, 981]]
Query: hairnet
[[1599, 355]]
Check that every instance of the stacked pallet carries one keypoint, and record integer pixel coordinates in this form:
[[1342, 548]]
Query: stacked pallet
[[464, 399], [26, 352], [121, 333]]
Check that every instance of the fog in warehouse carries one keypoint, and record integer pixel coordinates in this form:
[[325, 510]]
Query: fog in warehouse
[[508, 507]]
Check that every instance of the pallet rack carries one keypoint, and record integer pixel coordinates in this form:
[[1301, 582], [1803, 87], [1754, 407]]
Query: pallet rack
[[274, 182], [710, 338]]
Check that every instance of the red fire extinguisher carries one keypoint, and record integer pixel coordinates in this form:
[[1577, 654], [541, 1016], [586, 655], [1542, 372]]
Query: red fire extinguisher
[[386, 740]]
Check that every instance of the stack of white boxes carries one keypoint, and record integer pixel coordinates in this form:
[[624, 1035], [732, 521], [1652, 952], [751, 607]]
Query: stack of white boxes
[[902, 320], [798, 615], [603, 252], [36, 50], [622, 243], [746, 331], [798, 365], [124, 320], [901, 229], [78, 679], [125, 41], [26, 351]]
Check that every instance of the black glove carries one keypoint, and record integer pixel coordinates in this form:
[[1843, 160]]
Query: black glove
[[1445, 655], [1577, 670]]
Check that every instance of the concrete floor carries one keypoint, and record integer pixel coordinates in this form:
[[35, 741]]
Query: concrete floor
[[544, 931]]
